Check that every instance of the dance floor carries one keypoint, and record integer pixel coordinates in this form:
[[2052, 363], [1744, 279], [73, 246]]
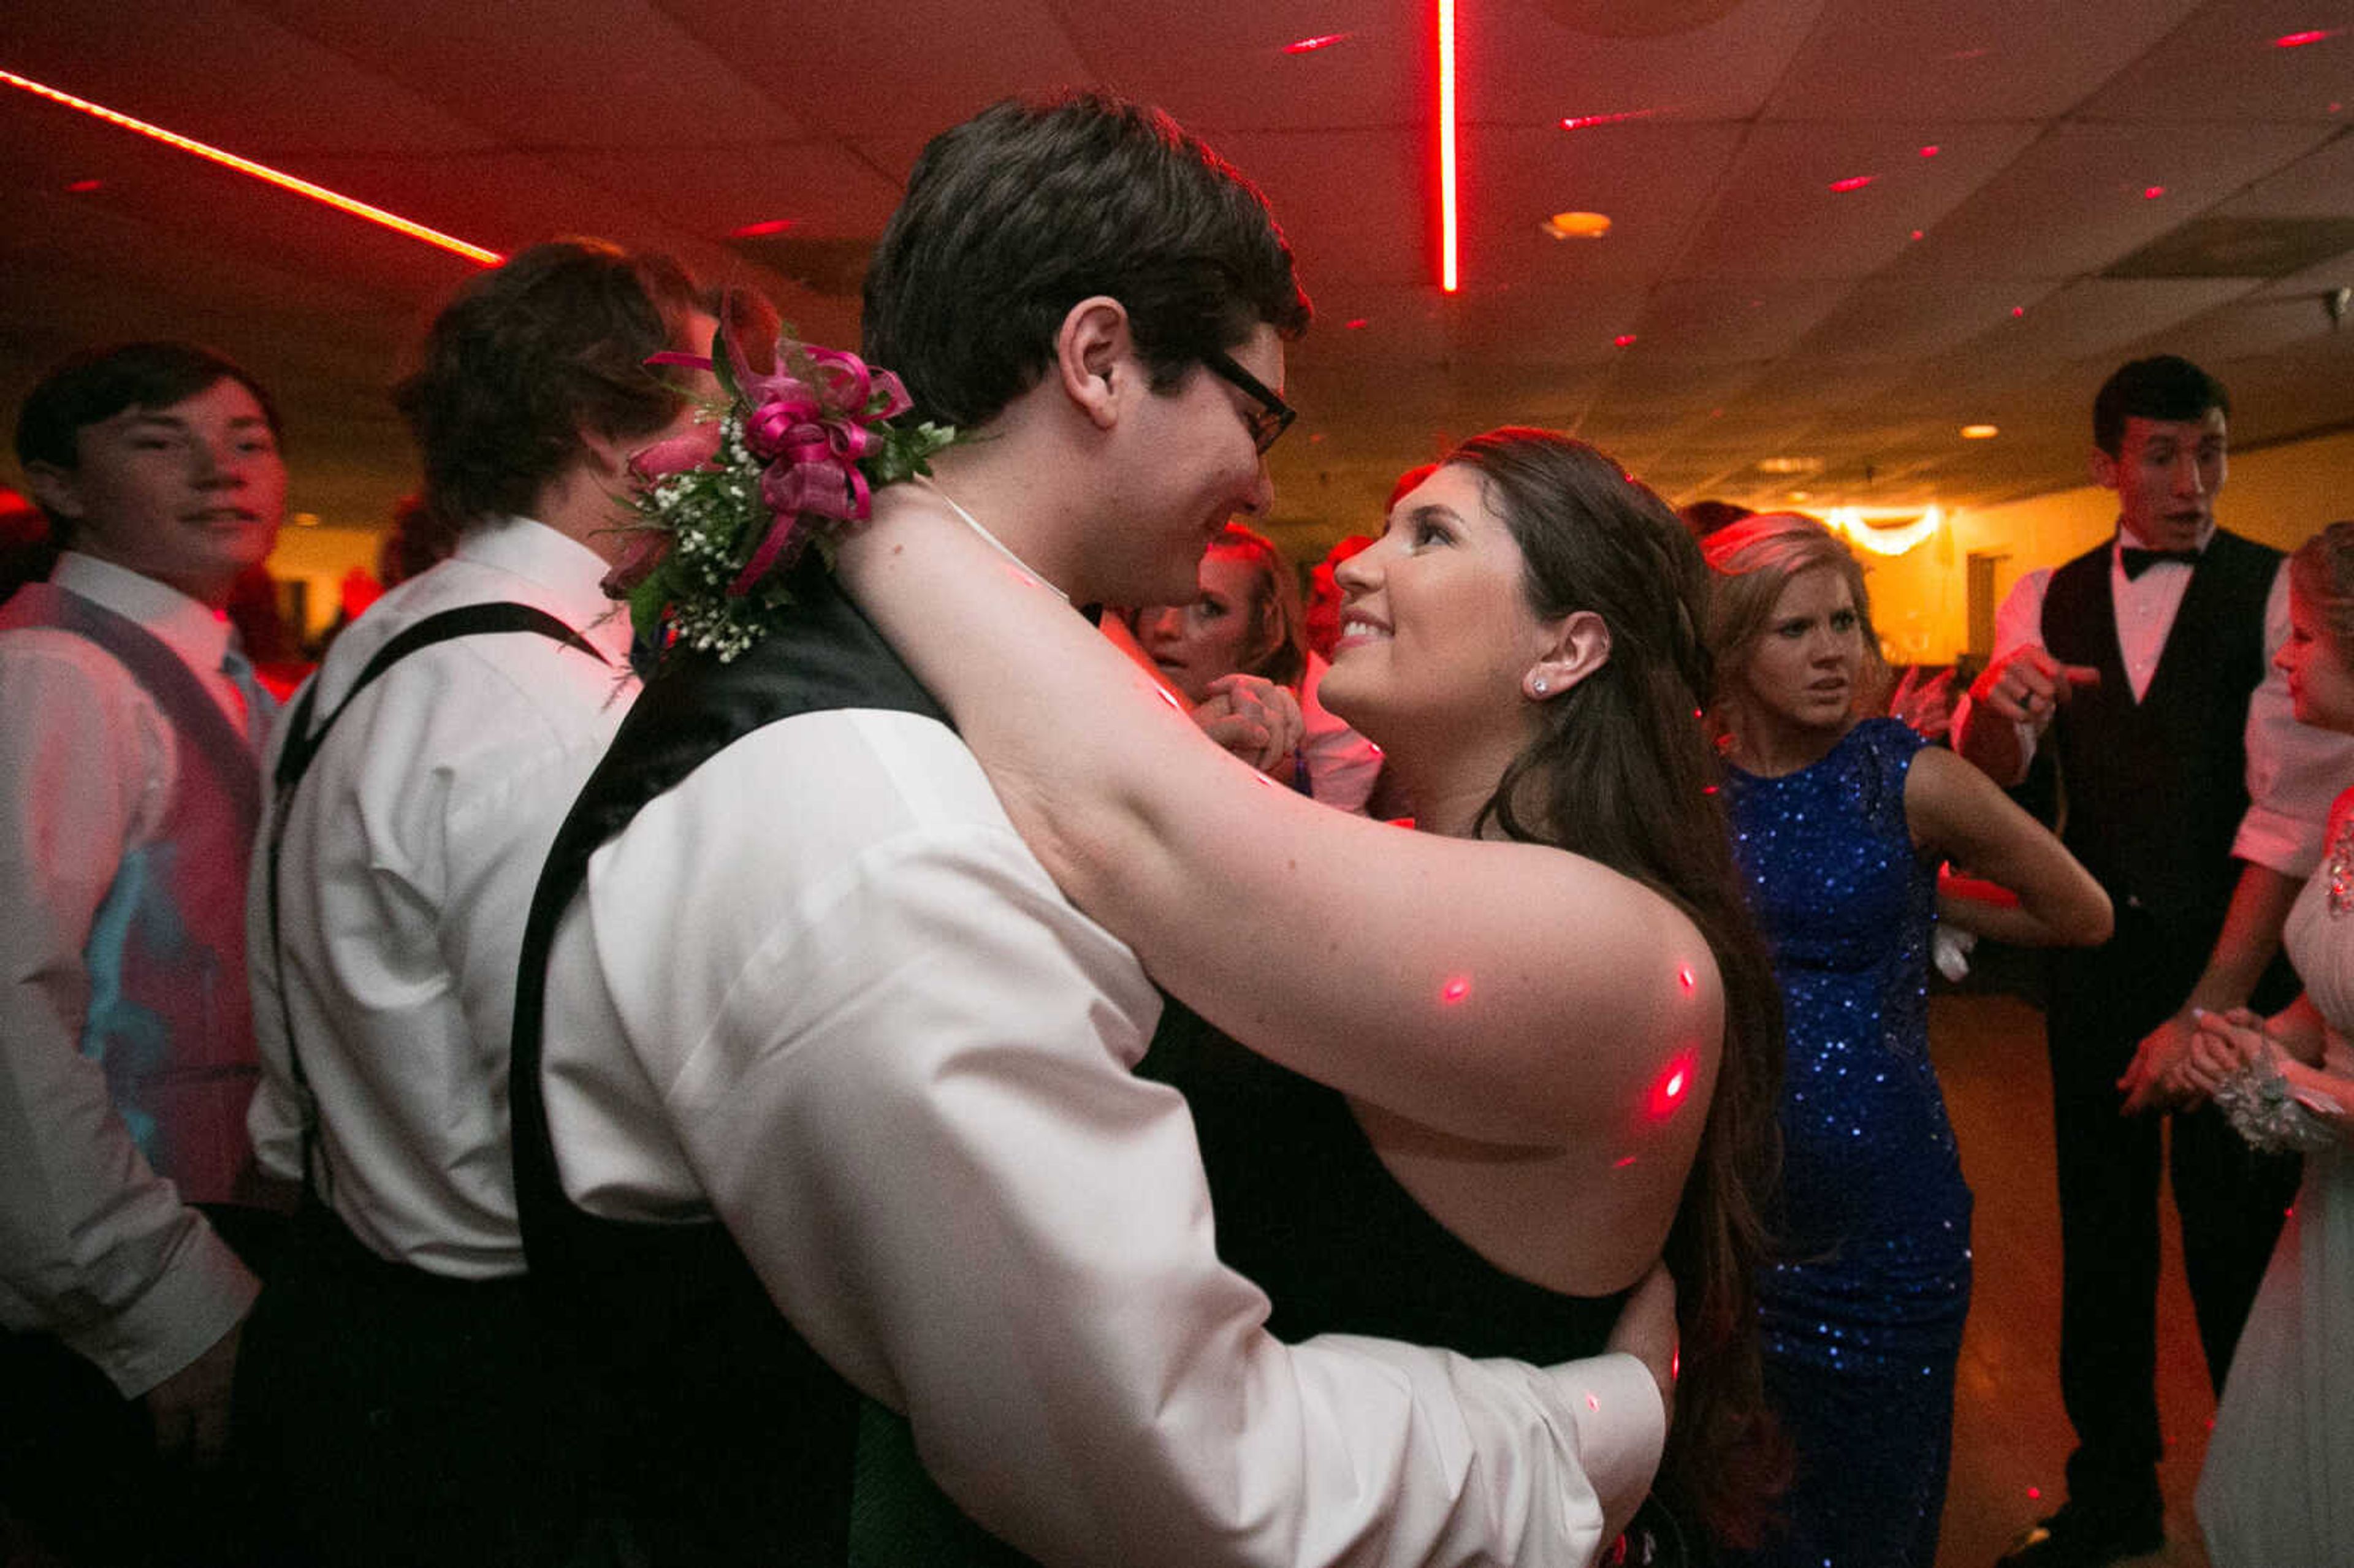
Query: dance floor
[[2011, 1438]]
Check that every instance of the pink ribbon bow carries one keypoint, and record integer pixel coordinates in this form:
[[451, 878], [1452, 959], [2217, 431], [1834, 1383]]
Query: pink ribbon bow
[[811, 434]]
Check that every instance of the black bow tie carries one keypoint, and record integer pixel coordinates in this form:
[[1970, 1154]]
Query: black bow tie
[[2139, 561]]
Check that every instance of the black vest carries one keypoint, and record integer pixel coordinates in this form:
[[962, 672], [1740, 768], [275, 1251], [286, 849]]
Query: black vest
[[2156, 789], [716, 1434]]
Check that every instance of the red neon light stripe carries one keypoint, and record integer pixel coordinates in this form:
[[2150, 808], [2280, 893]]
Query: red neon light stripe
[[263, 172], [1448, 273]]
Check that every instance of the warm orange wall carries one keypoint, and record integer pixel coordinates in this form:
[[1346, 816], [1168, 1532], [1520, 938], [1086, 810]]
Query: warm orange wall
[[2280, 495]]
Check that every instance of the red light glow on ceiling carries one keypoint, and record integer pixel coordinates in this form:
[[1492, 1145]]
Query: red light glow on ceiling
[[263, 172], [1853, 182], [2151, 193], [83, 187], [1623, 340], [761, 229], [1582, 122], [1355, 324], [1931, 151], [1450, 272], [1309, 46], [2298, 40]]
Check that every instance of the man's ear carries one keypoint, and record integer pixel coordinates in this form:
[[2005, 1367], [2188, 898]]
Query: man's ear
[[1574, 647], [610, 455], [57, 490], [2104, 470], [1095, 357]]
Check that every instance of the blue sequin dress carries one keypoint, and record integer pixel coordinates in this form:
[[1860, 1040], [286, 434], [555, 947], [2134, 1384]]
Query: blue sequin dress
[[1863, 1311]]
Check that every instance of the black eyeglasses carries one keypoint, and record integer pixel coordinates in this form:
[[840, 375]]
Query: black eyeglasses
[[1273, 417]]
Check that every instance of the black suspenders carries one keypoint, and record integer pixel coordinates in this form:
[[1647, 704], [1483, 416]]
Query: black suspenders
[[302, 748]]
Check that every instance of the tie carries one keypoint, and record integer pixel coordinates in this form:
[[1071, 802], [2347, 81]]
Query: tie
[[2139, 561], [257, 703]]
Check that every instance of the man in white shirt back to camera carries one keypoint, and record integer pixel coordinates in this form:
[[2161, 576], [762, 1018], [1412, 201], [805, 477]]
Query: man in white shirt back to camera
[[802, 978], [129, 793], [389, 1397]]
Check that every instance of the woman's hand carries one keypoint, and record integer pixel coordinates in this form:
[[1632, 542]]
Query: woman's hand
[[2223, 1044], [1254, 718]]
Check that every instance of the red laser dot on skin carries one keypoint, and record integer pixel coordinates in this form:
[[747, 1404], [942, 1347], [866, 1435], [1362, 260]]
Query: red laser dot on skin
[[1355, 324], [1931, 151], [1670, 1091], [1454, 990], [2017, 311], [1675, 1363], [1852, 182], [2151, 193], [1623, 340], [1685, 975], [1622, 1163], [757, 230], [1309, 46], [2034, 1494], [1592, 1402], [83, 187]]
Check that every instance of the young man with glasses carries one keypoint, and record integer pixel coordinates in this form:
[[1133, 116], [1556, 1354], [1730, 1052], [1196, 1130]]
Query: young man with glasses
[[801, 977]]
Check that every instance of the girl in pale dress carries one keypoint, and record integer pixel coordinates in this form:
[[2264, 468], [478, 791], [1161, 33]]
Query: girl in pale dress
[[2278, 1488]]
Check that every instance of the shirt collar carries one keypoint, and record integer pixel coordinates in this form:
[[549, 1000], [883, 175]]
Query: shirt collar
[[572, 573], [196, 632]]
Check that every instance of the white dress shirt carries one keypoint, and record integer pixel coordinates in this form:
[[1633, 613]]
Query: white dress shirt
[[2294, 771], [823, 989], [412, 849], [95, 1247]]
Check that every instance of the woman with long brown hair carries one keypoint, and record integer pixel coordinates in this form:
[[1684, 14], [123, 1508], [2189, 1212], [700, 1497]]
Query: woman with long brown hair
[[1495, 1067]]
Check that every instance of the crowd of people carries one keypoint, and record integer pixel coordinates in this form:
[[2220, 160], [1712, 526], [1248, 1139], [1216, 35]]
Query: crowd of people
[[873, 1066]]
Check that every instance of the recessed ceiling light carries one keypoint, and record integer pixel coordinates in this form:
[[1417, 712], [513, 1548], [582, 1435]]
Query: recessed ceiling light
[[1577, 225], [1980, 432], [1789, 465], [1802, 495], [305, 520]]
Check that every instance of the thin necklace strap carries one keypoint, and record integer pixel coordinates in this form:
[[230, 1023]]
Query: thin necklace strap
[[995, 542]]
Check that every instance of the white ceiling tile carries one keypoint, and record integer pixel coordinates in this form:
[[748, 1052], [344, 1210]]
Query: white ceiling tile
[[2074, 201], [1778, 216], [1964, 61], [584, 73], [2224, 64], [1530, 62]]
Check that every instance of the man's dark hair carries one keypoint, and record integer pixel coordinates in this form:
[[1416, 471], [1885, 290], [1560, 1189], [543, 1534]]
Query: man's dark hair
[[2164, 386], [1019, 213], [97, 384], [527, 356]]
